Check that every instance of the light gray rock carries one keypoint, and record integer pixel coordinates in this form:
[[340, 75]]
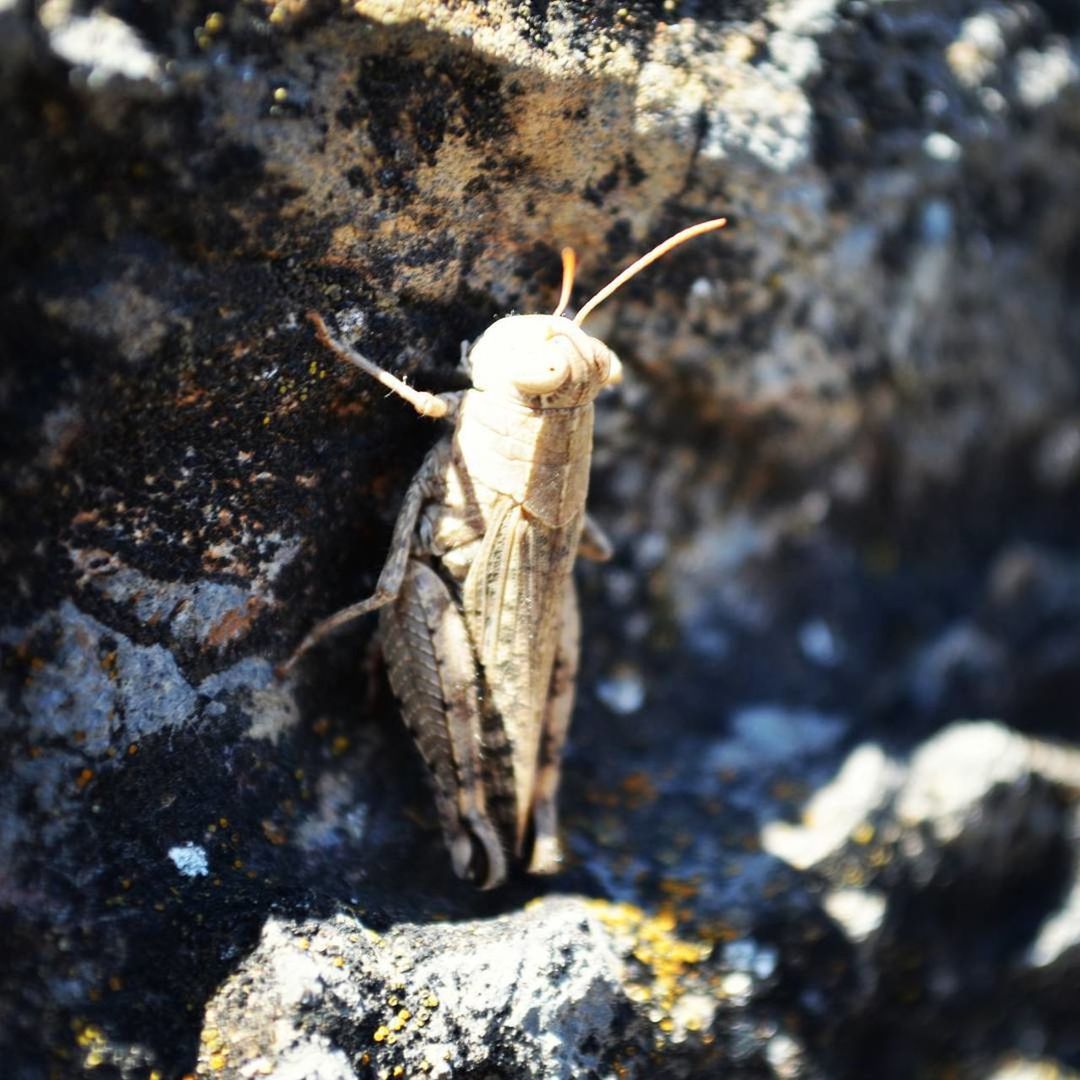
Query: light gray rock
[[539, 993]]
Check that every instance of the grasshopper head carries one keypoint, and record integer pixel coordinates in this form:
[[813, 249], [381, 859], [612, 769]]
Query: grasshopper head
[[545, 361], [549, 362]]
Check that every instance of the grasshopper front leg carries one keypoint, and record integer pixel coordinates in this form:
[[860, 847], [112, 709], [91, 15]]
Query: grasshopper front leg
[[434, 674]]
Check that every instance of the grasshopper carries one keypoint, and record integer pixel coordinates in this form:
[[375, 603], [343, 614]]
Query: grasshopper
[[479, 620]]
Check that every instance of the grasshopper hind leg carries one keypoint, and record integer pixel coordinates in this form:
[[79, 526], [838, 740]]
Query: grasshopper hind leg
[[433, 673], [425, 486], [546, 852]]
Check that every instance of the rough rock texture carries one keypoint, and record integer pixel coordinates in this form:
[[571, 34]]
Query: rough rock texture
[[552, 1005], [842, 478]]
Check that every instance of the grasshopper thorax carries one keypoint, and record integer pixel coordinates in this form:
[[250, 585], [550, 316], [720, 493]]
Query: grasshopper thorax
[[543, 361]]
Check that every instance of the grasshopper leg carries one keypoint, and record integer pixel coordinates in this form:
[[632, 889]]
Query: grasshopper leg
[[594, 543], [423, 488], [546, 853], [438, 406], [433, 673]]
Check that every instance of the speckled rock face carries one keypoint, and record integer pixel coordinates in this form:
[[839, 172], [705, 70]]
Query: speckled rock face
[[842, 477]]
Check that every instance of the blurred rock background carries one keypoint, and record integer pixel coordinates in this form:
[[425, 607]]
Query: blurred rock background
[[820, 798]]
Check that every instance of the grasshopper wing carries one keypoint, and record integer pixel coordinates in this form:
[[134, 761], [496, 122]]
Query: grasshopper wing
[[513, 599]]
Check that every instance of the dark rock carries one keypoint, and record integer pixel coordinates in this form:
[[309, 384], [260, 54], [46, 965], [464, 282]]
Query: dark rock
[[842, 480]]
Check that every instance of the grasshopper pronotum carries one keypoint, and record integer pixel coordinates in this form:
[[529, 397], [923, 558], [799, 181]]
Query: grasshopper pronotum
[[479, 623]]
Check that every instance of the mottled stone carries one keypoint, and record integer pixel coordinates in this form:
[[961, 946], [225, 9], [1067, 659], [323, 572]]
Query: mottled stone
[[842, 478]]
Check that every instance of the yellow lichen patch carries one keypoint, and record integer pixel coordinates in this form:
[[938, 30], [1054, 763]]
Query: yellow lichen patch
[[863, 834], [402, 1021], [88, 1035], [667, 960], [92, 1040], [284, 13]]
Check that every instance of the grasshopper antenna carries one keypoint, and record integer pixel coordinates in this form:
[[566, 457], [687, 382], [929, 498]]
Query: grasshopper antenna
[[424, 403], [569, 265], [645, 260]]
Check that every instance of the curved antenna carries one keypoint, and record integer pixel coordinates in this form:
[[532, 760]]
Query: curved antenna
[[569, 265], [645, 260]]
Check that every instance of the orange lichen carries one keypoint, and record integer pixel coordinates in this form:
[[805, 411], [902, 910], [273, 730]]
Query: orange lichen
[[235, 623], [638, 790], [274, 833]]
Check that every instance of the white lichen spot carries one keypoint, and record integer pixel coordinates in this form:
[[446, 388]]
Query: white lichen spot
[[786, 1056], [190, 859], [751, 957], [737, 986], [702, 289], [940, 147], [865, 782], [952, 775], [101, 46], [768, 735], [858, 912], [623, 691], [819, 644], [1042, 76]]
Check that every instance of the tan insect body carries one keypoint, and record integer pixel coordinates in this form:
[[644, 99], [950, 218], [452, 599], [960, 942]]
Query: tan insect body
[[540, 456], [479, 620]]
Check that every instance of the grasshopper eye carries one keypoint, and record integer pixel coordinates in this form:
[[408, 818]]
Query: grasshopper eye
[[614, 370], [543, 370]]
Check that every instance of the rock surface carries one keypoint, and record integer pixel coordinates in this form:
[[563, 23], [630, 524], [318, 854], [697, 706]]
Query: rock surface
[[842, 479]]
